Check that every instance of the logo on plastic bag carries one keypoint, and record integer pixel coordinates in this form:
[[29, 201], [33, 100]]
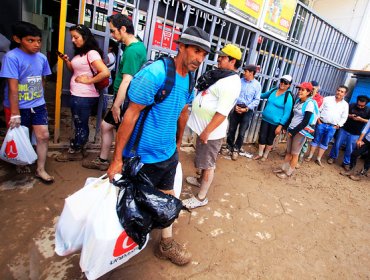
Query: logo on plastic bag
[[11, 149], [123, 245]]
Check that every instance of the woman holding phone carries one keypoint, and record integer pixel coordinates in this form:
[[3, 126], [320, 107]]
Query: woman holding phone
[[84, 95]]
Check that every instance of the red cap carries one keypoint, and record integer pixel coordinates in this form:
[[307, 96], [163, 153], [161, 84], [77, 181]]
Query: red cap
[[306, 85]]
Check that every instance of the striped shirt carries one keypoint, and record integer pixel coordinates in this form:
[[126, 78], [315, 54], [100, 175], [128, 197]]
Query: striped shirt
[[158, 141]]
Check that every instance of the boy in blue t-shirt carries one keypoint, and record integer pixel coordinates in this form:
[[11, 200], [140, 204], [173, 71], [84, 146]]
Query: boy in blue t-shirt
[[24, 69]]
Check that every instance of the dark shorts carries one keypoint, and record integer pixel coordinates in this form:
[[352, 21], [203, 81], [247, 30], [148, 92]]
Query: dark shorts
[[109, 119], [29, 117], [162, 174], [267, 133], [109, 116]]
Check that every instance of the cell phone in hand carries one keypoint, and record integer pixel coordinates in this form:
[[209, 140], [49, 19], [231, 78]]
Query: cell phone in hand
[[60, 53]]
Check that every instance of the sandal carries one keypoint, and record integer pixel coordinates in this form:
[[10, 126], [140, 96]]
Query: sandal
[[257, 157], [47, 180], [263, 159], [283, 175], [308, 159], [193, 202]]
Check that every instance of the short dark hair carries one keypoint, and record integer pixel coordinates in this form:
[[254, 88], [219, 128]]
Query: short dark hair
[[363, 98], [238, 62], [254, 72], [345, 87], [119, 20], [90, 42], [22, 29]]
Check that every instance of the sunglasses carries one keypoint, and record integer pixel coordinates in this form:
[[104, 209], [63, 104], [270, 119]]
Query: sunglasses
[[285, 82]]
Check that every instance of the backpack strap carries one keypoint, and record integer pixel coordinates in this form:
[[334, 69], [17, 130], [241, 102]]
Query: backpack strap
[[287, 93], [161, 95], [169, 82], [191, 82]]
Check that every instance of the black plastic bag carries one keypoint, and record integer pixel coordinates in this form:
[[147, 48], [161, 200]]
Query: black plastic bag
[[140, 206], [212, 76]]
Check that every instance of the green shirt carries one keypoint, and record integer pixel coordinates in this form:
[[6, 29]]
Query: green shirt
[[133, 57]]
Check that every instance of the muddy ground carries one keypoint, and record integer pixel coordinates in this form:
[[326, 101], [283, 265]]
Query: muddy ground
[[314, 225]]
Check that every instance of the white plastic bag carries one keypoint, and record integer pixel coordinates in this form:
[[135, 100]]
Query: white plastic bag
[[177, 186], [106, 244], [17, 148], [70, 228]]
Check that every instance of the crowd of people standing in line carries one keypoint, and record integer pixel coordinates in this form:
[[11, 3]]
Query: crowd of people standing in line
[[219, 110]]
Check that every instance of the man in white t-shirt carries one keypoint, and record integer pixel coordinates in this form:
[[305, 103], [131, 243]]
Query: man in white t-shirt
[[333, 115], [208, 120]]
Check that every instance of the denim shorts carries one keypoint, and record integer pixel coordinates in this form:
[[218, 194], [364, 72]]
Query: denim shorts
[[162, 174], [29, 117], [323, 134]]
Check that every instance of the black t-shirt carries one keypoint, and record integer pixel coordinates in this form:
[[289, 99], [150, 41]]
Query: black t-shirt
[[355, 127]]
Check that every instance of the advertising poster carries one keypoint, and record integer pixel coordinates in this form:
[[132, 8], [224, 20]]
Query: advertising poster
[[167, 36], [248, 11], [278, 16]]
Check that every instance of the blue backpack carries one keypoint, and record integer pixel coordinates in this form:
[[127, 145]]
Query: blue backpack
[[169, 82]]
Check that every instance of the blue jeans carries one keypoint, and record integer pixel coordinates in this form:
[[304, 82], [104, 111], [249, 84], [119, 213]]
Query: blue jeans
[[350, 140], [81, 110], [235, 120], [323, 134]]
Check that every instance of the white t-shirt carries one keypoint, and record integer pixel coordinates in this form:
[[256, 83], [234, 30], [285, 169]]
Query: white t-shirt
[[221, 98], [111, 64]]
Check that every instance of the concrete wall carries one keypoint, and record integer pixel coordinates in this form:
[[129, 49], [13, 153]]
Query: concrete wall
[[353, 18]]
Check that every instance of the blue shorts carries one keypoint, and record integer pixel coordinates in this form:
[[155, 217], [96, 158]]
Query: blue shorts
[[29, 117]]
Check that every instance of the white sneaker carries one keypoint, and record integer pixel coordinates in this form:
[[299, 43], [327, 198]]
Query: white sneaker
[[192, 181], [193, 202]]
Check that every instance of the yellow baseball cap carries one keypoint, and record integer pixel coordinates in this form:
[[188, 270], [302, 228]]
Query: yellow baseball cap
[[230, 50]]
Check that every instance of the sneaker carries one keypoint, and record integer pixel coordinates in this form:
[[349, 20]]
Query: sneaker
[[192, 181], [96, 164], [346, 172], [330, 160], [193, 202], [359, 176], [234, 155], [169, 249], [225, 151]]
